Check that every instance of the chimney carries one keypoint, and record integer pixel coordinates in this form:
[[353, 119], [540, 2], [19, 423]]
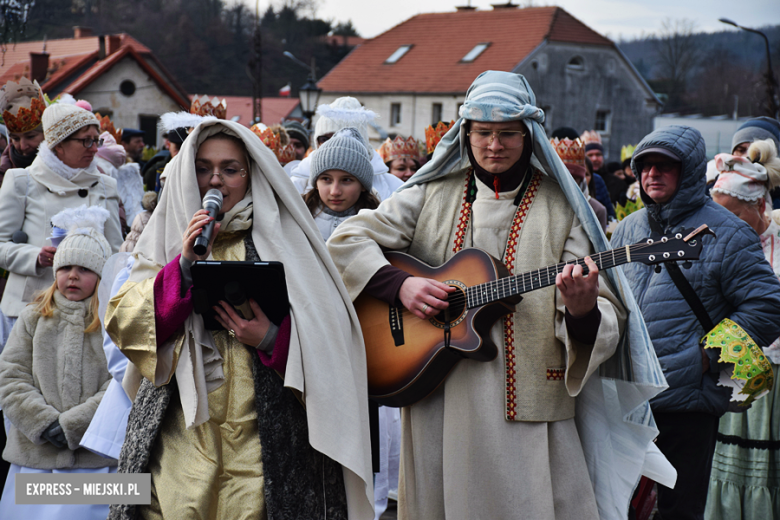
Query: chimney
[[101, 47], [39, 66], [465, 8], [113, 44], [508, 5], [82, 32]]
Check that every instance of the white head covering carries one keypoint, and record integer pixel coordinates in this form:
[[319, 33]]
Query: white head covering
[[326, 360], [343, 112], [740, 178]]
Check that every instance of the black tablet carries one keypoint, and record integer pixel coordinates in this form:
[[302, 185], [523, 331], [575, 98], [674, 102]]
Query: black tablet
[[264, 282]]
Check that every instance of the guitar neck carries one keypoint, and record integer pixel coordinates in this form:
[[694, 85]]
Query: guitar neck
[[489, 292]]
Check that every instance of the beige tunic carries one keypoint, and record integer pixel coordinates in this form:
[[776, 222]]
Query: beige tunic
[[460, 457]]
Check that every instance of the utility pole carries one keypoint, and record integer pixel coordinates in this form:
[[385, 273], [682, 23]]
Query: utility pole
[[256, 67]]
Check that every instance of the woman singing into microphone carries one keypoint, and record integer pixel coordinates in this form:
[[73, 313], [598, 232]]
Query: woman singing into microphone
[[254, 420]]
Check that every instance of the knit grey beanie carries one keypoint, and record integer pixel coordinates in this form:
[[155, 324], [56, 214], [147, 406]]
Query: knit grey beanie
[[345, 151], [757, 129], [84, 245]]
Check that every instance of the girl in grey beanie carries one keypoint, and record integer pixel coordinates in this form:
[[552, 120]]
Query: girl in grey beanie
[[341, 178]]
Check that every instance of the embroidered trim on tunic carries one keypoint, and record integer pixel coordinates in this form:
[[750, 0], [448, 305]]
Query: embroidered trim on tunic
[[509, 260], [555, 374]]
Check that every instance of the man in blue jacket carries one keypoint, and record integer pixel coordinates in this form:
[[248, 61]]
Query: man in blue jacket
[[731, 279]]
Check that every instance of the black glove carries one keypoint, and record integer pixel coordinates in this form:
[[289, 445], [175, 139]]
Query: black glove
[[737, 407], [55, 435]]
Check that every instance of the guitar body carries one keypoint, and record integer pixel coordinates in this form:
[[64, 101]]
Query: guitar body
[[407, 357]]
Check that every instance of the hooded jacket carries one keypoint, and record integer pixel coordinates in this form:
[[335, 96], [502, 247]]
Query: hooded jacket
[[732, 278]]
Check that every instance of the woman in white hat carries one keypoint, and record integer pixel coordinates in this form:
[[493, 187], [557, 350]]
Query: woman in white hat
[[258, 419], [746, 464], [63, 175]]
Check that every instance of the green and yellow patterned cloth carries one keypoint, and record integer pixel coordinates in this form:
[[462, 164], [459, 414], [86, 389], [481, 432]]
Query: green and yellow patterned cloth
[[752, 374]]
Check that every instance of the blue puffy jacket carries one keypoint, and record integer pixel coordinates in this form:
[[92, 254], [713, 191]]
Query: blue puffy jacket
[[732, 279]]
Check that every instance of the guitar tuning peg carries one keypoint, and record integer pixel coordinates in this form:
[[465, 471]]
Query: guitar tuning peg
[[687, 264], [658, 268]]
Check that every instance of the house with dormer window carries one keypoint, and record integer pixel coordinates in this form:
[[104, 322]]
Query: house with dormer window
[[417, 73]]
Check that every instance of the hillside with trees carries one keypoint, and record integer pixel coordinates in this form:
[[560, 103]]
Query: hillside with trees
[[209, 45], [705, 73]]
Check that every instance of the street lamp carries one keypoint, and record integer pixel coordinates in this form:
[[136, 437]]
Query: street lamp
[[309, 93], [771, 84]]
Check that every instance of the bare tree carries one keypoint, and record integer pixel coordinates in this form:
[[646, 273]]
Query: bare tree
[[678, 55]]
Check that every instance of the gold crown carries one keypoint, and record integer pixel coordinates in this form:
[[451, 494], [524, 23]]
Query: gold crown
[[570, 152], [106, 125], [203, 106], [434, 135], [399, 148], [26, 102], [273, 140], [627, 152]]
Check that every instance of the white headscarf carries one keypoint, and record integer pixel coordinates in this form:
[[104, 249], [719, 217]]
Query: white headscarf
[[326, 360], [740, 178]]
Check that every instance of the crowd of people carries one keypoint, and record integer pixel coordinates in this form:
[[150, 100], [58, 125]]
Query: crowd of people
[[601, 379]]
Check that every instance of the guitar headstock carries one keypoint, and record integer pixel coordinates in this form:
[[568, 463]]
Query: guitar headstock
[[681, 246]]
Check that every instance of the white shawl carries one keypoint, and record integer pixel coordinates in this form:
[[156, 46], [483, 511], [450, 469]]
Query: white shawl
[[326, 361]]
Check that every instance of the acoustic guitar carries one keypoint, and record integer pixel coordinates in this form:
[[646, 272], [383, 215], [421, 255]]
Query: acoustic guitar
[[409, 357]]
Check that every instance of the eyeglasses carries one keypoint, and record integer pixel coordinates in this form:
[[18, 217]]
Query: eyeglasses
[[660, 167], [322, 139], [87, 142], [507, 138], [229, 176]]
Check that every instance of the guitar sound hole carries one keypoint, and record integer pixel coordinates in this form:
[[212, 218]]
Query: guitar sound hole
[[456, 309]]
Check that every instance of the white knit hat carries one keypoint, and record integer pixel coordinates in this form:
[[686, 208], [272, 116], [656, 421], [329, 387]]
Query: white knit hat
[[84, 244], [342, 113], [63, 119], [345, 151]]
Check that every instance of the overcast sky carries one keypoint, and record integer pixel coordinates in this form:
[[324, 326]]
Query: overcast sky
[[612, 18]]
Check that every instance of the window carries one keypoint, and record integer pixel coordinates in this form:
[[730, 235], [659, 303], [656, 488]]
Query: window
[[576, 63], [127, 88], [395, 114], [398, 54], [474, 53], [435, 113], [148, 124], [603, 120]]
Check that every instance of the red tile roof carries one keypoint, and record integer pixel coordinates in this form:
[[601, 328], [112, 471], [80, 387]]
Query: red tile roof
[[72, 55], [274, 108], [65, 48], [441, 40]]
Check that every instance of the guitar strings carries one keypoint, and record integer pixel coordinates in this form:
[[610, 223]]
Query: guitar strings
[[618, 255]]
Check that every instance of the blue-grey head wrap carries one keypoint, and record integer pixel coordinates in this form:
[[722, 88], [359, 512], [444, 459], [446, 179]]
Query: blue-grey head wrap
[[633, 375]]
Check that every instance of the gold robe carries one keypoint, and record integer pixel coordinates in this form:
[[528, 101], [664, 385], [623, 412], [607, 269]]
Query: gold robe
[[214, 470]]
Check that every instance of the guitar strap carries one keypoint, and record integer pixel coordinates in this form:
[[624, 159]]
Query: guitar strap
[[524, 199], [683, 285]]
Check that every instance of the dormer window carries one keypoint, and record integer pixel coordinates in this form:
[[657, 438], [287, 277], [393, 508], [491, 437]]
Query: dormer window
[[576, 63], [398, 54], [474, 53]]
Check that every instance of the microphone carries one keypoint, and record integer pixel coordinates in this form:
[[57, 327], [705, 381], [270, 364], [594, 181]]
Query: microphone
[[212, 202]]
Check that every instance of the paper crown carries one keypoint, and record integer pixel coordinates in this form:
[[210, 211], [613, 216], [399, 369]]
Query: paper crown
[[627, 152], [284, 153], [106, 125], [23, 105], [203, 106], [590, 137], [399, 148], [434, 135], [570, 152]]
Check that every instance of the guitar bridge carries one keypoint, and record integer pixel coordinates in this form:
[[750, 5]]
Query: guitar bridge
[[397, 325]]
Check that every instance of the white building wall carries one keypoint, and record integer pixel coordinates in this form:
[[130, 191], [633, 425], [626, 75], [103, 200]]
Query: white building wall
[[717, 133], [147, 100]]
